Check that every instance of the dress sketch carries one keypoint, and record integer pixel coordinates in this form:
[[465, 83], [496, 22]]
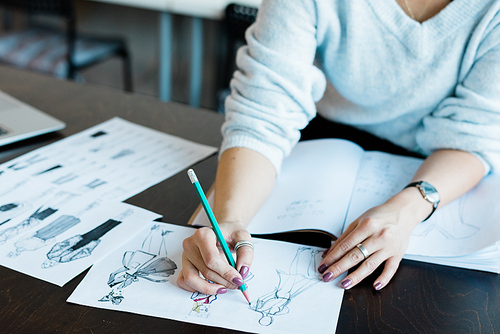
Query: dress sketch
[[90, 167], [80, 246], [150, 263], [50, 169], [123, 153], [13, 209], [8, 190], [89, 139], [46, 235], [452, 226], [22, 164], [113, 142], [300, 276], [123, 188], [36, 217], [201, 304]]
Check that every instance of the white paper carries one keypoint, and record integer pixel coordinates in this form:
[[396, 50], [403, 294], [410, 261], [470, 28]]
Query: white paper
[[462, 227], [285, 288], [114, 160], [77, 182], [465, 226], [65, 243], [487, 259], [312, 191]]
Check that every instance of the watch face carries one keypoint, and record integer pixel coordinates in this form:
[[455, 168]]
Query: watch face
[[429, 192]]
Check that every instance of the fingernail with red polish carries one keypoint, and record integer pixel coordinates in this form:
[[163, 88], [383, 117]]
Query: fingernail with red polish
[[325, 252], [378, 286], [244, 271], [322, 268], [347, 283], [327, 277], [221, 291], [237, 281]]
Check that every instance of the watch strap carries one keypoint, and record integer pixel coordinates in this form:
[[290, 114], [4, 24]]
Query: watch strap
[[417, 184]]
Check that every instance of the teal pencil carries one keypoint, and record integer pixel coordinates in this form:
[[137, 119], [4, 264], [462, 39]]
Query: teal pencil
[[215, 226]]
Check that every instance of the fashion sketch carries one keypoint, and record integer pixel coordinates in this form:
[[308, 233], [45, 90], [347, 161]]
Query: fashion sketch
[[150, 263], [46, 235], [452, 226], [300, 276], [44, 211], [123, 188], [108, 178], [81, 245], [31, 160], [22, 164], [90, 167], [89, 139], [201, 304], [13, 209], [8, 190], [125, 138], [46, 170]]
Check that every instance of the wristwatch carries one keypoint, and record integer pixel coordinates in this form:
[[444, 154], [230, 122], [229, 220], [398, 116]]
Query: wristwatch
[[429, 193]]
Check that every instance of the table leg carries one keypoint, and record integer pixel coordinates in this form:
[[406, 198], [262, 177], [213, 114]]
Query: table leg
[[165, 84], [196, 61]]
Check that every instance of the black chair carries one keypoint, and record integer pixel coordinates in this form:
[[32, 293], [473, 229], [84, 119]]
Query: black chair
[[58, 51], [236, 21]]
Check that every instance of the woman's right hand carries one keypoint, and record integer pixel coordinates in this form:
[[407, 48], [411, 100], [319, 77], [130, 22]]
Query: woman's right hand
[[203, 255]]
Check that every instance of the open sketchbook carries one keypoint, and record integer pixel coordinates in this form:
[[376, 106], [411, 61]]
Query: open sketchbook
[[326, 184], [286, 291]]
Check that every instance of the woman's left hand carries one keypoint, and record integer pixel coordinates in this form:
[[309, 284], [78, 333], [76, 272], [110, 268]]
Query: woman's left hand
[[384, 231]]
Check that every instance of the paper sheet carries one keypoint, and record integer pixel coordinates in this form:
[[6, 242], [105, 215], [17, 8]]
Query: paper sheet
[[112, 161], [64, 189], [57, 246], [286, 290], [467, 225], [296, 205], [464, 226]]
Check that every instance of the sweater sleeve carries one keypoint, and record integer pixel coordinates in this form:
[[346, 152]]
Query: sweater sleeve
[[470, 119], [276, 85]]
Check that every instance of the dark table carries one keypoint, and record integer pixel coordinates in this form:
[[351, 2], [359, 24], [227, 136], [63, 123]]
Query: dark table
[[422, 298]]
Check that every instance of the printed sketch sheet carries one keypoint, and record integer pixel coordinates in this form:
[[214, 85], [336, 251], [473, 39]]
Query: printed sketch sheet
[[114, 160], [60, 246], [64, 189], [285, 288]]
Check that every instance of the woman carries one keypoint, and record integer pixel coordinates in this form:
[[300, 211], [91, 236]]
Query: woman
[[422, 74]]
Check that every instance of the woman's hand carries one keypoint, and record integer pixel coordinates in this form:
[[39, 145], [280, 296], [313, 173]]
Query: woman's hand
[[202, 255], [384, 231]]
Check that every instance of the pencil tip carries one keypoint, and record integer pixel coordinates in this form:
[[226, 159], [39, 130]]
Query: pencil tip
[[245, 293]]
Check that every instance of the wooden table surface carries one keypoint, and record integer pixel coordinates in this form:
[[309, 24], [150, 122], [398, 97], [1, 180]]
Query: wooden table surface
[[422, 298]]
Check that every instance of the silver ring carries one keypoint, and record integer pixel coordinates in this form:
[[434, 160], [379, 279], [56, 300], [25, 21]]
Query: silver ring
[[363, 250], [243, 243]]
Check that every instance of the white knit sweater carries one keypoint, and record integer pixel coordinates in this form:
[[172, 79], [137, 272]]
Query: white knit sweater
[[421, 86]]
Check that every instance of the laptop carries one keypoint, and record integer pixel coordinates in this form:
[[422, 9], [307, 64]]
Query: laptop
[[20, 121]]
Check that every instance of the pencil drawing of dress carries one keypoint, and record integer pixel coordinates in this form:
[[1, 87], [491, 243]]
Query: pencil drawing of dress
[[300, 277], [146, 263]]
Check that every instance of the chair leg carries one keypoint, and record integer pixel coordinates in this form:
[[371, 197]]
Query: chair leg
[[127, 70], [71, 73]]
